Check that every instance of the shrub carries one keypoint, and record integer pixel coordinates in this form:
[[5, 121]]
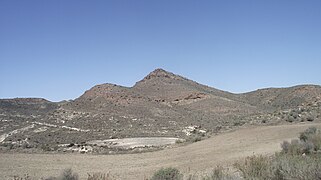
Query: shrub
[[280, 167], [45, 147], [307, 133], [219, 173], [25, 177], [296, 166], [290, 163], [194, 138], [290, 119], [67, 174], [295, 115], [310, 118], [309, 142], [179, 141], [316, 141], [307, 147], [285, 146], [294, 147], [99, 176], [254, 167], [167, 174]]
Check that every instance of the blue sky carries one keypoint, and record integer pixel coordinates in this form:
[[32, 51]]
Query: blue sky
[[58, 49]]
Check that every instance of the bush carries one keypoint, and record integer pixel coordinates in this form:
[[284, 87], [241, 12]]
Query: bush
[[296, 167], [219, 173], [99, 176], [67, 174], [280, 167], [316, 141], [310, 118], [293, 148], [254, 167], [307, 147], [290, 163], [307, 133], [309, 142], [25, 177], [179, 141], [285, 146], [167, 174], [45, 147], [194, 138], [295, 115], [290, 118]]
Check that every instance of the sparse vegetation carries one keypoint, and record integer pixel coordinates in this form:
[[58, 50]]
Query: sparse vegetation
[[281, 166], [195, 138], [36, 125], [254, 167], [179, 141], [167, 174], [100, 176], [25, 177], [290, 118], [219, 173], [299, 159], [66, 174], [309, 142]]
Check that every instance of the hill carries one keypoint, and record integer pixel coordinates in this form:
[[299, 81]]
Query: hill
[[283, 98], [162, 104]]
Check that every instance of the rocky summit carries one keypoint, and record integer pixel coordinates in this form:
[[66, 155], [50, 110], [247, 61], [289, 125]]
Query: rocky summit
[[161, 105]]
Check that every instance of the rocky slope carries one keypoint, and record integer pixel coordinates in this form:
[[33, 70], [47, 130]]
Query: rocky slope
[[283, 98], [161, 104]]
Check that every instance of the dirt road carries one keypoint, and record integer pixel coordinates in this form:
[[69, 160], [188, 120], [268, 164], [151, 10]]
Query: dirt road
[[223, 149]]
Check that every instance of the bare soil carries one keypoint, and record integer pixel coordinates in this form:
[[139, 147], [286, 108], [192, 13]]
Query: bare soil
[[130, 143], [223, 149]]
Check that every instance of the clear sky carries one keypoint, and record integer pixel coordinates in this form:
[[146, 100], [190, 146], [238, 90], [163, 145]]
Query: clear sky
[[58, 49]]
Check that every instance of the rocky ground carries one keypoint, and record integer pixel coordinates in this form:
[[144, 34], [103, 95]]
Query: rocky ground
[[160, 105]]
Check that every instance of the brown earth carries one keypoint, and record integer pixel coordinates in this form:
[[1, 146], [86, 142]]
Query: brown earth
[[223, 149], [162, 104]]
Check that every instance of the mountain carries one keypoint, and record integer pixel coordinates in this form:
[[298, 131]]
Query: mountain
[[160, 89], [161, 99], [161, 104]]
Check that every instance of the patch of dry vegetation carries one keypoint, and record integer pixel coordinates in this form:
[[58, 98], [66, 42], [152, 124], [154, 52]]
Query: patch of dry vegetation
[[299, 159]]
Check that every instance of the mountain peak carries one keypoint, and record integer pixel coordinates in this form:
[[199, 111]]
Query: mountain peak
[[159, 70], [161, 73]]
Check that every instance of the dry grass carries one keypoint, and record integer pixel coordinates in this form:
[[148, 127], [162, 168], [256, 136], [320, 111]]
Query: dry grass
[[299, 159], [284, 165], [100, 176], [281, 166]]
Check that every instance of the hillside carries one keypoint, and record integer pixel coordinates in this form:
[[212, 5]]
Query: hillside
[[162, 104], [283, 98]]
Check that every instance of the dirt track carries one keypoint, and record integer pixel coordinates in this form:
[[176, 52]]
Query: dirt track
[[223, 149]]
